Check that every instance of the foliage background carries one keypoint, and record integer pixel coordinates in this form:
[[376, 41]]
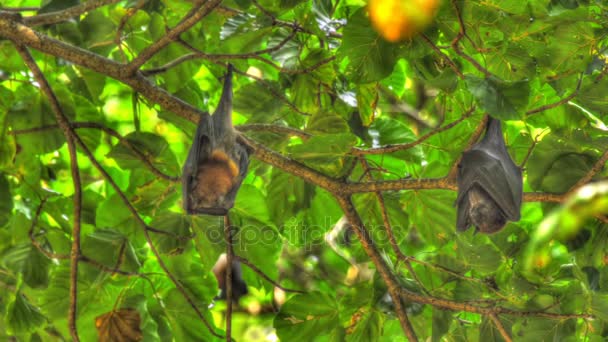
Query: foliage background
[[336, 116]]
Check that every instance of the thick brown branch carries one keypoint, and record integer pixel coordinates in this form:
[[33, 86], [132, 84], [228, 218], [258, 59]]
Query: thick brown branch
[[271, 157], [10, 28], [500, 327], [402, 184]]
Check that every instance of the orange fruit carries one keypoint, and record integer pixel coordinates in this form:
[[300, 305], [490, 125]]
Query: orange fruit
[[397, 20]]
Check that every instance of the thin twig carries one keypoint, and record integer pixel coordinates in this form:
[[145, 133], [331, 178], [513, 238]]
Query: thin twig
[[389, 230], [63, 122], [560, 102], [442, 55], [135, 214], [273, 129], [274, 92], [228, 280], [197, 54], [261, 273], [595, 169], [372, 251], [529, 153], [461, 34], [199, 11], [400, 147], [121, 139]]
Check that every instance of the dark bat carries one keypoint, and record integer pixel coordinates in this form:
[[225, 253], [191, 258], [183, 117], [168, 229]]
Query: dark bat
[[239, 287], [217, 162], [489, 184]]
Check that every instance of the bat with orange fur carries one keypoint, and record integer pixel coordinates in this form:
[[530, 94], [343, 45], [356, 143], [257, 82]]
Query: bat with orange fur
[[217, 162]]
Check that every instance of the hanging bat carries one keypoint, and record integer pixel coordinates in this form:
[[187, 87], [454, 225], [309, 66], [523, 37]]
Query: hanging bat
[[217, 162], [239, 287], [489, 184]]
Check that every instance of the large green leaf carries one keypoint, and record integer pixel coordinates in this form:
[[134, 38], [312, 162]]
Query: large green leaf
[[22, 316], [30, 262], [148, 145], [307, 317], [504, 100], [370, 58]]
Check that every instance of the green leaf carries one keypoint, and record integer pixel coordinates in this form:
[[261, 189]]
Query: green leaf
[[153, 147], [257, 102], [557, 164], [30, 262], [368, 328], [501, 99], [111, 249], [29, 113], [22, 316], [370, 58], [177, 228], [185, 324], [325, 152], [6, 201], [434, 213], [306, 317]]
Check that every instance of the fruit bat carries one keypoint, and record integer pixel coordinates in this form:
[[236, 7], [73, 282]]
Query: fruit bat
[[217, 162], [239, 287], [489, 184]]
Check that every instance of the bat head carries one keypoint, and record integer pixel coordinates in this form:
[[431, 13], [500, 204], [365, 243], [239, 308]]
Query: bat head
[[484, 213]]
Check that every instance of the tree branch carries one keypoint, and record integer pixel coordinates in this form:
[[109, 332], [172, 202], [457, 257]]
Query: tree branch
[[399, 147], [228, 279], [500, 327], [201, 10], [66, 14], [560, 102], [372, 251], [261, 273], [69, 135]]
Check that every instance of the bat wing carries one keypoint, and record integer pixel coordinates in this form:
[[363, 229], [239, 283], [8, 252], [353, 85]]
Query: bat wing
[[494, 145], [463, 221], [200, 150], [482, 169]]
